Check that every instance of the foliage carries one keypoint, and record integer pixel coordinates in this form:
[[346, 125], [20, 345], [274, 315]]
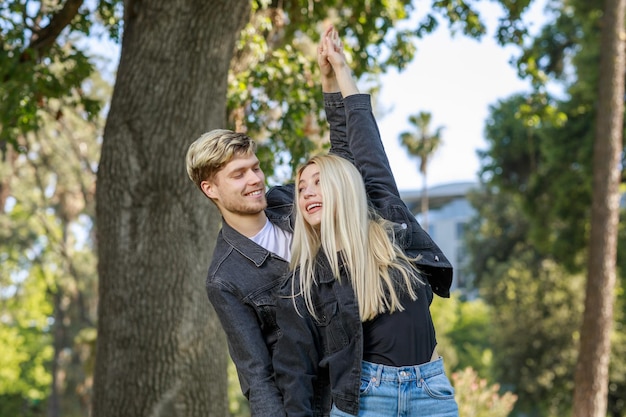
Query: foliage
[[47, 289], [26, 346], [477, 399], [535, 305], [41, 65], [549, 166], [528, 241], [535, 301], [471, 336], [546, 143], [463, 334], [445, 314]]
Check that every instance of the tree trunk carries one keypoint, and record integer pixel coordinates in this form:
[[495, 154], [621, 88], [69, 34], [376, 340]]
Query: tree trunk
[[592, 376], [160, 348]]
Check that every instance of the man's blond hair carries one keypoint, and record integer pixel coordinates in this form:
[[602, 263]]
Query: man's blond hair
[[211, 151]]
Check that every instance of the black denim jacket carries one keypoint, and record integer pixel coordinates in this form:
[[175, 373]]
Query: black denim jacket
[[331, 347], [241, 282]]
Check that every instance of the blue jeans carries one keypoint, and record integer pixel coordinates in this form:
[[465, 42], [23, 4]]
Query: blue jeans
[[409, 391]]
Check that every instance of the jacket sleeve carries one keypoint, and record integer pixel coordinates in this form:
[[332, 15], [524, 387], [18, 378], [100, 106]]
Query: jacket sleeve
[[369, 154], [251, 354], [336, 118], [297, 356], [382, 192]]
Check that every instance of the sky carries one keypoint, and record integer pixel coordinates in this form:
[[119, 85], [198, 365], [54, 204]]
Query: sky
[[456, 79]]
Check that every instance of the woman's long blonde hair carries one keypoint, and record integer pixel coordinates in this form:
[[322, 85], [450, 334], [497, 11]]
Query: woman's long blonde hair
[[363, 240]]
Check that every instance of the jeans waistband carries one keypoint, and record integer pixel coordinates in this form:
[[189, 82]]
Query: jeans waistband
[[402, 373]]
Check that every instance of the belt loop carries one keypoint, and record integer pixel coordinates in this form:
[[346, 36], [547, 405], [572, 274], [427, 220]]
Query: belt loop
[[379, 374], [418, 374]]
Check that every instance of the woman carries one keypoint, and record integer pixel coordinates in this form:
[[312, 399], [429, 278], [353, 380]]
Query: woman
[[355, 311]]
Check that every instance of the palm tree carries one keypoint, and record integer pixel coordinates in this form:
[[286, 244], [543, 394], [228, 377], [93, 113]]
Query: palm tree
[[422, 143]]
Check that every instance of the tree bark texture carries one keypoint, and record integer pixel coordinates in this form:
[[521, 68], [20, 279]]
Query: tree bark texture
[[592, 370], [160, 348]]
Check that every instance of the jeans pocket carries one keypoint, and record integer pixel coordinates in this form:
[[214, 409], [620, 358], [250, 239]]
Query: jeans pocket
[[367, 385], [438, 387]]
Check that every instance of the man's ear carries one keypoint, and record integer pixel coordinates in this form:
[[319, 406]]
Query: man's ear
[[209, 189]]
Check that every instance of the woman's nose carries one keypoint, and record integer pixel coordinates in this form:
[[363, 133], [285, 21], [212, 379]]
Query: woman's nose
[[308, 192]]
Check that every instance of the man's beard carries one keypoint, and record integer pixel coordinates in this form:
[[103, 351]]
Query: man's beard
[[245, 209]]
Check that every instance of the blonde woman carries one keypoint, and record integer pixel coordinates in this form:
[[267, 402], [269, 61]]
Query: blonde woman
[[355, 311]]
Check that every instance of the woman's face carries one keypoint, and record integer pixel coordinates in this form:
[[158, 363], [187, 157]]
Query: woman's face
[[310, 195]]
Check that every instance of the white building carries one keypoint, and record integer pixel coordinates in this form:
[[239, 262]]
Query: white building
[[448, 213]]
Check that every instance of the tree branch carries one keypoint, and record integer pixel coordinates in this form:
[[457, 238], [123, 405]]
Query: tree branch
[[44, 38]]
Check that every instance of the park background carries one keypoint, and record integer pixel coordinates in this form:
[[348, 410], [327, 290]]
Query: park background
[[511, 351]]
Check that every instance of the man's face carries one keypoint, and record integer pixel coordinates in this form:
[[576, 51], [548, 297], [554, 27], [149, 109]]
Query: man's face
[[239, 187]]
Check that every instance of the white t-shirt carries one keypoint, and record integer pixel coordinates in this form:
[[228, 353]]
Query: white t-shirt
[[275, 240]]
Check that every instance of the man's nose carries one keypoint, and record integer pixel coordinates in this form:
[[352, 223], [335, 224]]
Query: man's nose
[[254, 177]]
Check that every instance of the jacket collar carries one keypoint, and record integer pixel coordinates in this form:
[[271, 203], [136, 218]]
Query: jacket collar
[[246, 247]]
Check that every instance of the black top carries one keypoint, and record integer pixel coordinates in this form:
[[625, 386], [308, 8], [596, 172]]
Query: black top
[[402, 338]]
